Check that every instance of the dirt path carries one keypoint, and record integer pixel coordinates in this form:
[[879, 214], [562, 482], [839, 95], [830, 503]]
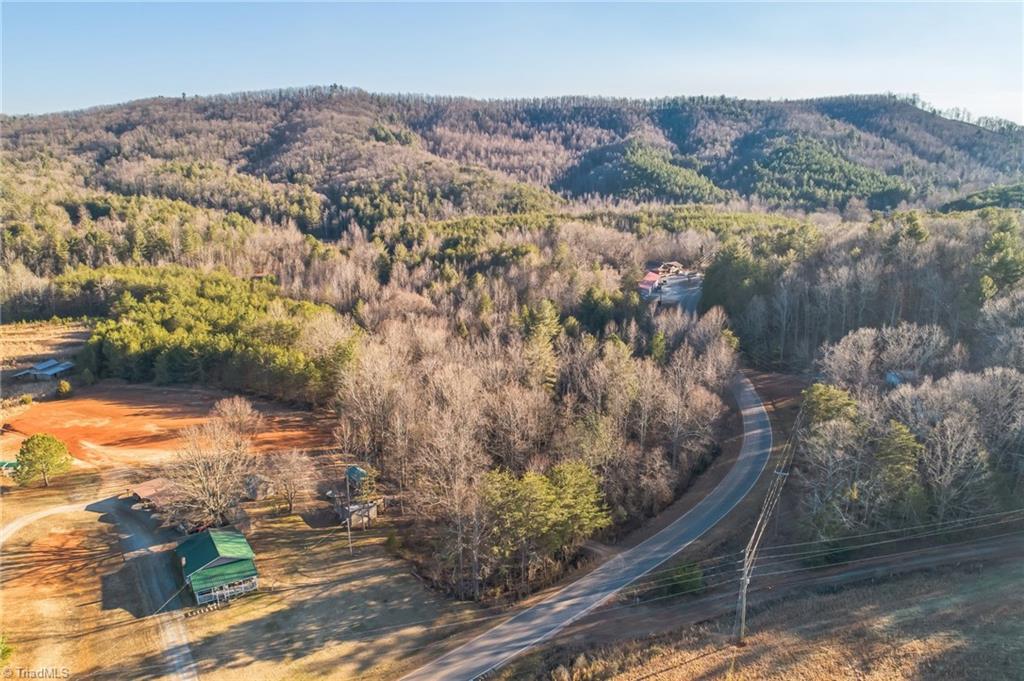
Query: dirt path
[[13, 527], [161, 590]]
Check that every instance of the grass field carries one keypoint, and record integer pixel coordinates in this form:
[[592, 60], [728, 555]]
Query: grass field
[[964, 623], [29, 343], [22, 345], [321, 612], [69, 598]]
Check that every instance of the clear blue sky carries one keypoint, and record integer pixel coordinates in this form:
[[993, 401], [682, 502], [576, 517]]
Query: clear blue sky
[[58, 57]]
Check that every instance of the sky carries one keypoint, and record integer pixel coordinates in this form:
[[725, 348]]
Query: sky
[[58, 57]]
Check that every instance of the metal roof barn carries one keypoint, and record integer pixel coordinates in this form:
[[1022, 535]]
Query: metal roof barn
[[218, 564], [51, 368]]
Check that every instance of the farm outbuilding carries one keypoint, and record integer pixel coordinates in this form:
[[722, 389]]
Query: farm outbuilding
[[152, 494], [218, 564], [45, 371]]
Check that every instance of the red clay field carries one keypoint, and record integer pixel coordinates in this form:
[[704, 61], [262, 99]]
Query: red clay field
[[120, 424]]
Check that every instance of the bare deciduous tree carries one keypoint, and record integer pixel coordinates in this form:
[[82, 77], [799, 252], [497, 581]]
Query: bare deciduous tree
[[238, 415], [954, 467], [851, 363], [207, 479], [294, 474]]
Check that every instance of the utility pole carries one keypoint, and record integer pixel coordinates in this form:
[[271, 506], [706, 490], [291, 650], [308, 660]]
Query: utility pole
[[348, 513], [771, 500], [741, 607], [750, 552]]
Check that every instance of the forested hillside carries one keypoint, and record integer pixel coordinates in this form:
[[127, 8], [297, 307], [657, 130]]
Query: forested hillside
[[455, 283], [325, 158]]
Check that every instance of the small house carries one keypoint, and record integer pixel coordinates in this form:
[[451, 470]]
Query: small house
[[8, 467], [45, 371], [218, 564], [649, 284], [362, 513]]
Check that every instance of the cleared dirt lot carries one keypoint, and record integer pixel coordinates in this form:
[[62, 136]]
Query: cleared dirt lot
[[119, 424]]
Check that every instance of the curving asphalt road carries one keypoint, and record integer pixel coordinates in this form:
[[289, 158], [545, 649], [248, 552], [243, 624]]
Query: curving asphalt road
[[497, 646]]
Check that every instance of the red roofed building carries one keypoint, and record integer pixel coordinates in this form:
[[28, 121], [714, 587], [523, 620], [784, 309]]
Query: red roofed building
[[648, 284]]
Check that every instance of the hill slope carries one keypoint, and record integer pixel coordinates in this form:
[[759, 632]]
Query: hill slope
[[323, 157]]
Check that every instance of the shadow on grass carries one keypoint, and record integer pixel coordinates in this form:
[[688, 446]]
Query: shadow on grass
[[148, 561], [322, 599]]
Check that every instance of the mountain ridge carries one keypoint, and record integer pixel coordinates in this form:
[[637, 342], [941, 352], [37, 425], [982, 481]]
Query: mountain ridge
[[368, 158]]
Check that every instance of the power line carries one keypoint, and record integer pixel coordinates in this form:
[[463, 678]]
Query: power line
[[893, 530], [771, 500], [724, 561], [369, 634], [808, 555]]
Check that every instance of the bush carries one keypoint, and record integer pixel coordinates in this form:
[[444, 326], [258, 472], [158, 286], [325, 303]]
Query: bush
[[63, 389], [393, 543], [87, 377], [687, 578], [5, 649], [25, 399]]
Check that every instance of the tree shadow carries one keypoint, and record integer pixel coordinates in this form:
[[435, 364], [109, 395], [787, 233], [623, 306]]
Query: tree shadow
[[148, 562], [353, 609]]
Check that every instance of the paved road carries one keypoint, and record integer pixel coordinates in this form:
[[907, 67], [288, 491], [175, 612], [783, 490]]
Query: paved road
[[497, 646]]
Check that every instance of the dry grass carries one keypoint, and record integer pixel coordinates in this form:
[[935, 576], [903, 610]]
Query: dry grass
[[322, 613], [68, 598], [954, 624], [26, 344]]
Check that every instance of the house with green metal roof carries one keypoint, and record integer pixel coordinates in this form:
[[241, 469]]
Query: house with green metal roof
[[218, 564]]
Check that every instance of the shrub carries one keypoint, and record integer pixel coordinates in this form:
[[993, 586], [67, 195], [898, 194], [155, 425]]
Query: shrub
[[393, 543], [63, 389], [5, 649], [687, 578], [87, 377], [25, 399]]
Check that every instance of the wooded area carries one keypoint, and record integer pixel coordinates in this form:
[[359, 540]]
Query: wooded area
[[455, 283]]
